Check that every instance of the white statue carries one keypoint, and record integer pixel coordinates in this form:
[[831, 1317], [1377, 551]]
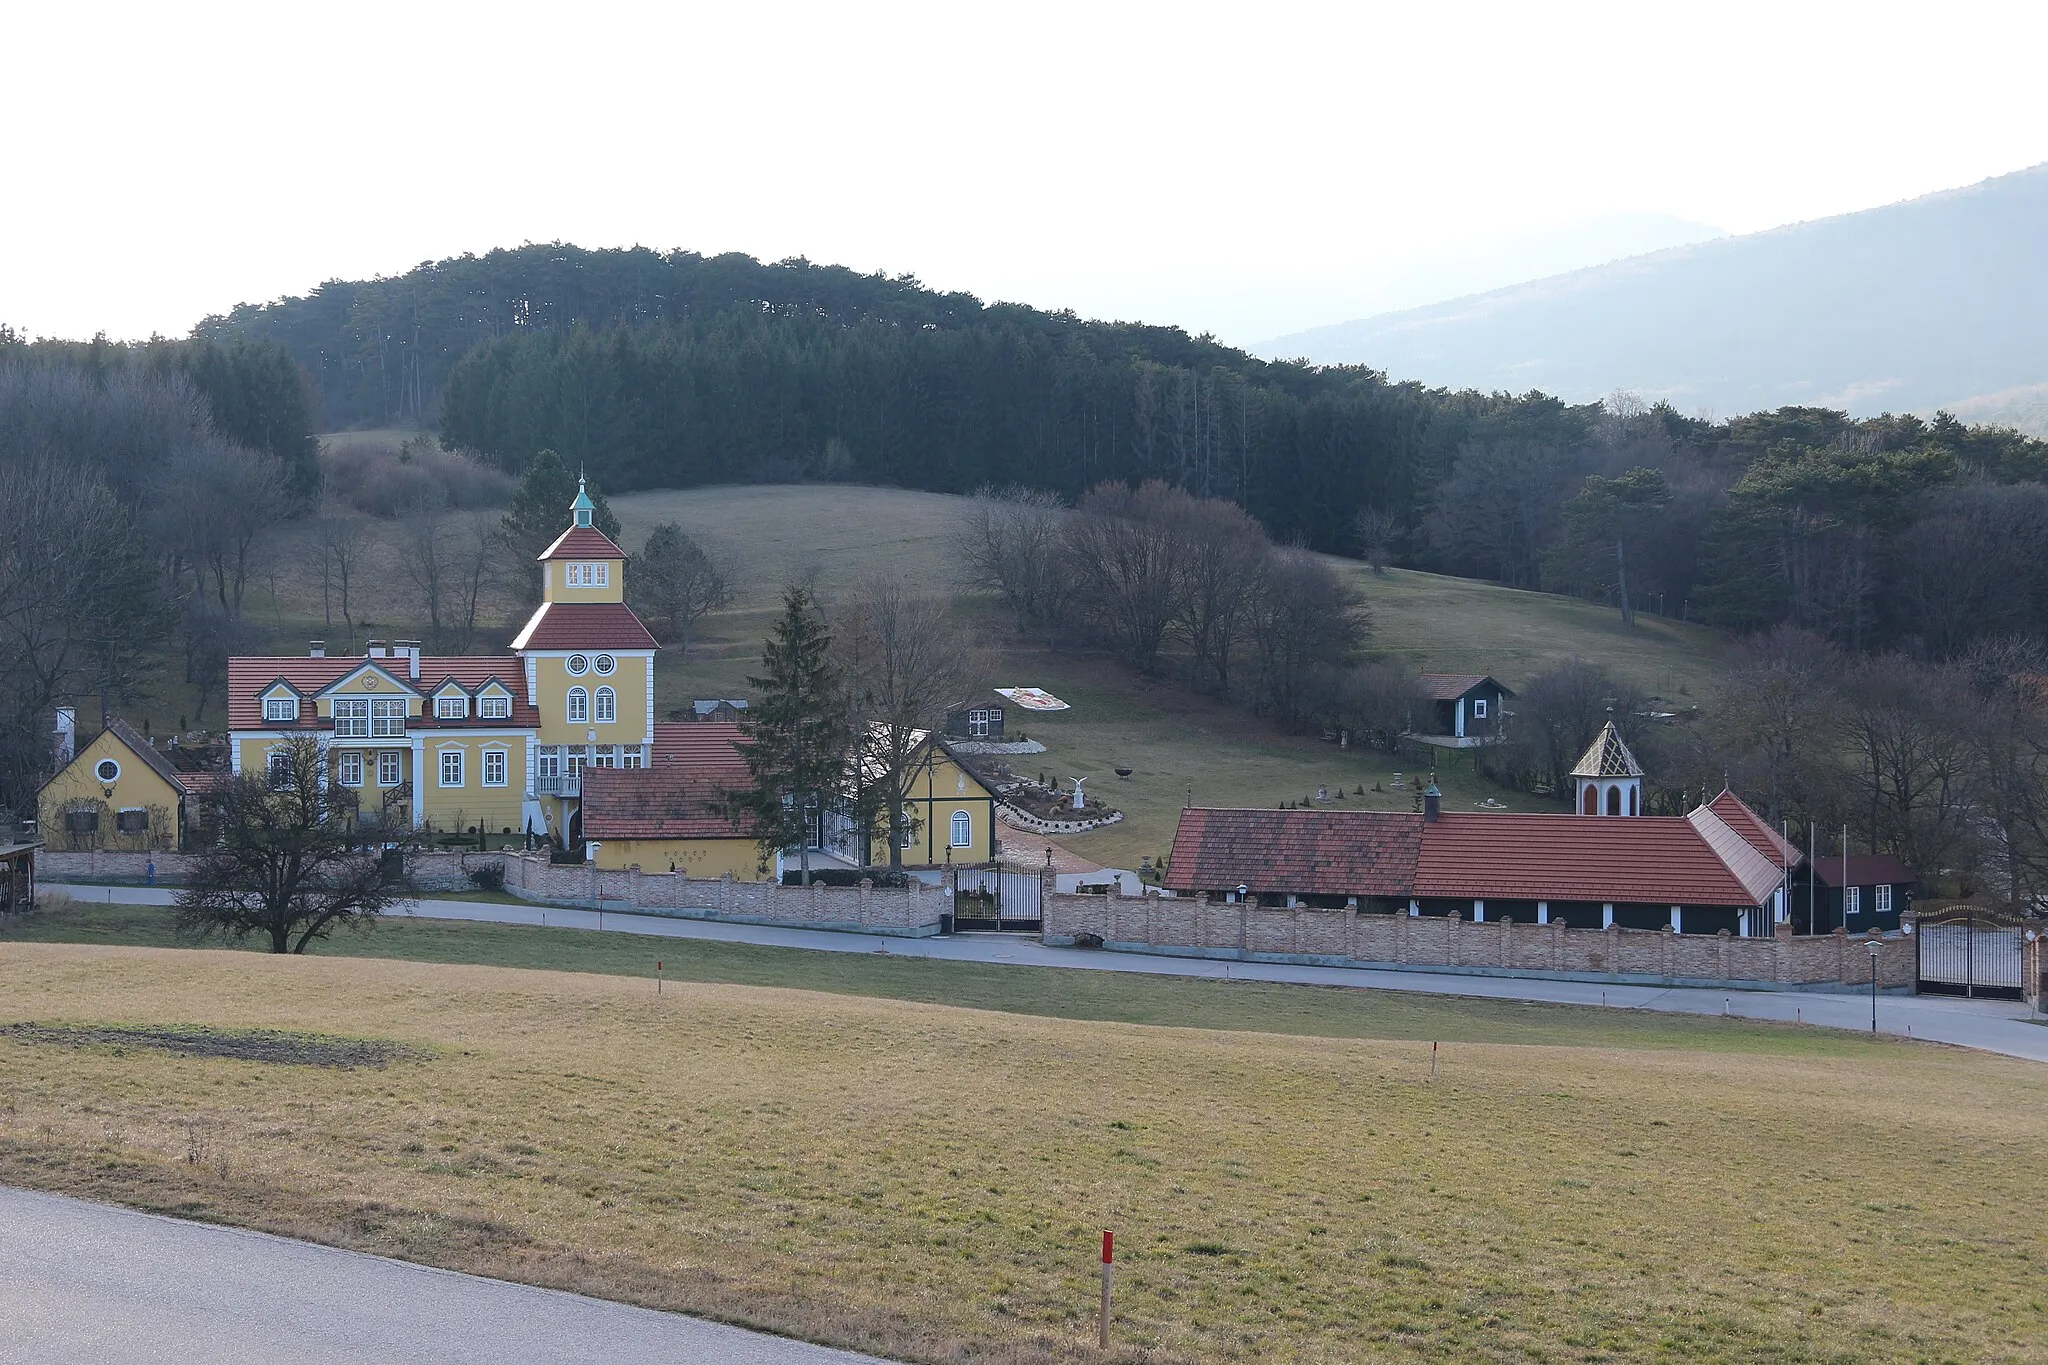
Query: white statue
[[1080, 802]]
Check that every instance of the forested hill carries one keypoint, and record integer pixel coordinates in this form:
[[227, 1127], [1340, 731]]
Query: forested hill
[[672, 370]]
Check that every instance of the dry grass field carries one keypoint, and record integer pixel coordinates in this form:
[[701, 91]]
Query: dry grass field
[[927, 1181]]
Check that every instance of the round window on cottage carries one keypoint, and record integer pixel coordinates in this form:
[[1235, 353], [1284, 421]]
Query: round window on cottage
[[107, 771], [578, 665], [606, 663]]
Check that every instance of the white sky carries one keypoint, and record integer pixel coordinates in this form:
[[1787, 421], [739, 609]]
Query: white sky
[[1248, 169]]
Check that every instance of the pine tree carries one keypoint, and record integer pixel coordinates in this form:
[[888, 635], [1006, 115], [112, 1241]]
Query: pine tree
[[798, 737], [539, 510]]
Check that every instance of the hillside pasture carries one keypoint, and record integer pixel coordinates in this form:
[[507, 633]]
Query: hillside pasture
[[928, 1182]]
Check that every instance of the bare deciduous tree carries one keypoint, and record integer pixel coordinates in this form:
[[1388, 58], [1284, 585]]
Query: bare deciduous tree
[[1375, 530], [676, 584], [1010, 542], [906, 664]]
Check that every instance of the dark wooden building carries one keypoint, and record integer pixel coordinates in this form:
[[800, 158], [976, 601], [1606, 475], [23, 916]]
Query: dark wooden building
[[1459, 710]]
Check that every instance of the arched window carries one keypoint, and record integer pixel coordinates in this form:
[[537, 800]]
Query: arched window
[[1632, 799], [963, 829], [1614, 800], [1591, 804], [607, 705], [579, 706]]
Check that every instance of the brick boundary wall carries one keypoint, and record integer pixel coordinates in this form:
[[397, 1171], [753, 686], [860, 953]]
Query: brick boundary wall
[[913, 912], [1194, 926]]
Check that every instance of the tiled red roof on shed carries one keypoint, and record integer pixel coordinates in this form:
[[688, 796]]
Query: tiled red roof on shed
[[1451, 686], [1865, 869], [654, 803], [1306, 852], [582, 542], [1659, 860], [584, 625]]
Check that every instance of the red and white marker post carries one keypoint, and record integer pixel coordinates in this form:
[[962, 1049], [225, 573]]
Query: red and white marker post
[[1108, 1254]]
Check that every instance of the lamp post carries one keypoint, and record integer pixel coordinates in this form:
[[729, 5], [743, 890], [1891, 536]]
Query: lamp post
[[1874, 947]]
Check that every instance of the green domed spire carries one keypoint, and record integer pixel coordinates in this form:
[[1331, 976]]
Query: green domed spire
[[583, 507]]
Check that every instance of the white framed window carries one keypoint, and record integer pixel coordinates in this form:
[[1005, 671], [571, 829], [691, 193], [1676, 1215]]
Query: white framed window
[[494, 706], [348, 768], [632, 756], [352, 717], [572, 758], [279, 766], [605, 664], [107, 770], [390, 770], [596, 575], [607, 705], [451, 767], [494, 768], [280, 708], [577, 665], [1479, 708], [1882, 900], [604, 756], [82, 821], [387, 716], [131, 820], [453, 707], [963, 829], [579, 706], [1852, 900], [908, 837], [977, 723], [547, 761]]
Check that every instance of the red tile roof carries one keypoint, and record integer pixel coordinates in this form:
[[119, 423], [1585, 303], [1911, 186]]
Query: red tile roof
[[1737, 815], [1451, 686], [584, 625], [1659, 860], [582, 542], [655, 803], [1307, 852], [1865, 869], [704, 749], [250, 677]]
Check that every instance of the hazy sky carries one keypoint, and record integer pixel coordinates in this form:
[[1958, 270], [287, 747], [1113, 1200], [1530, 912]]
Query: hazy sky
[[1248, 169]]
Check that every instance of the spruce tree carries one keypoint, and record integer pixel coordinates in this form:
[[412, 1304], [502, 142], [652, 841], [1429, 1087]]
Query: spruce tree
[[798, 738], [539, 510]]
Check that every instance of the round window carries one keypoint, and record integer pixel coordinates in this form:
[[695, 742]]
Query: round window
[[606, 663], [107, 770], [578, 664]]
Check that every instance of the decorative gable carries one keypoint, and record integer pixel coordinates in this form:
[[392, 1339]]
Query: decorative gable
[[370, 676]]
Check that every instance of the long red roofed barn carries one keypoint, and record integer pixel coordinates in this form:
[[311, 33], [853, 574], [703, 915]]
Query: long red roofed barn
[[1718, 867]]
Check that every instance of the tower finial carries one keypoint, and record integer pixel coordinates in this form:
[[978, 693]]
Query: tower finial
[[582, 507]]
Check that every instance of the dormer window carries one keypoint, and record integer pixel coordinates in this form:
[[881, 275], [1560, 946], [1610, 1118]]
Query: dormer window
[[281, 708], [594, 575], [451, 706], [494, 706]]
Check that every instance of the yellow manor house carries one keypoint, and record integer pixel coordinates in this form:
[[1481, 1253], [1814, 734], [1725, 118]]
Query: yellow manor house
[[460, 744]]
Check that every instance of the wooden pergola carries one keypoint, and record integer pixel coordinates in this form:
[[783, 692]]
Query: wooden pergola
[[18, 877]]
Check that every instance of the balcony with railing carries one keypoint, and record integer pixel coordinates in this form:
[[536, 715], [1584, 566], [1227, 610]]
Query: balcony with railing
[[564, 784]]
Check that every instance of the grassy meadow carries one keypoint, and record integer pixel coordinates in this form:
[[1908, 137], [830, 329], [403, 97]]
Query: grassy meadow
[[927, 1181]]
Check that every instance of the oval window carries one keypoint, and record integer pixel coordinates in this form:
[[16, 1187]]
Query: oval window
[[107, 770], [578, 665], [606, 663]]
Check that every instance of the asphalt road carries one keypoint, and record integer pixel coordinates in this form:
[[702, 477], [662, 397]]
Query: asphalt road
[[1986, 1025], [84, 1284]]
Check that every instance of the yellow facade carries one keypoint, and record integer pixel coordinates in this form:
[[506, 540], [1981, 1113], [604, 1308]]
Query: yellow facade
[[129, 792], [940, 795], [631, 683], [741, 858]]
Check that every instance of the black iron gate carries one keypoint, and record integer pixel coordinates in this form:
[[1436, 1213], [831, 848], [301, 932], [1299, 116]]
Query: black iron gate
[[998, 898], [1970, 950]]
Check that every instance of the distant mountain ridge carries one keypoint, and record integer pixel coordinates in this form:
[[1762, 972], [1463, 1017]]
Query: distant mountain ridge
[[1936, 302]]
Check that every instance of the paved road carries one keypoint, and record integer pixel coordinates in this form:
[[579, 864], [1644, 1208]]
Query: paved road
[[1987, 1025], [84, 1284]]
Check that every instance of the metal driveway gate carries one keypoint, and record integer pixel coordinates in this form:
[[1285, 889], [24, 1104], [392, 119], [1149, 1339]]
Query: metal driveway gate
[[998, 898], [1970, 950]]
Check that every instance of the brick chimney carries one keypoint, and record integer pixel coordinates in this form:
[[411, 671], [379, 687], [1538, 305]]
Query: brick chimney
[[1432, 804]]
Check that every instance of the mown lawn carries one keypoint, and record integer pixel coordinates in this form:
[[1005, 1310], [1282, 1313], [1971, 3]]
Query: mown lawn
[[928, 1182], [1180, 1002]]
